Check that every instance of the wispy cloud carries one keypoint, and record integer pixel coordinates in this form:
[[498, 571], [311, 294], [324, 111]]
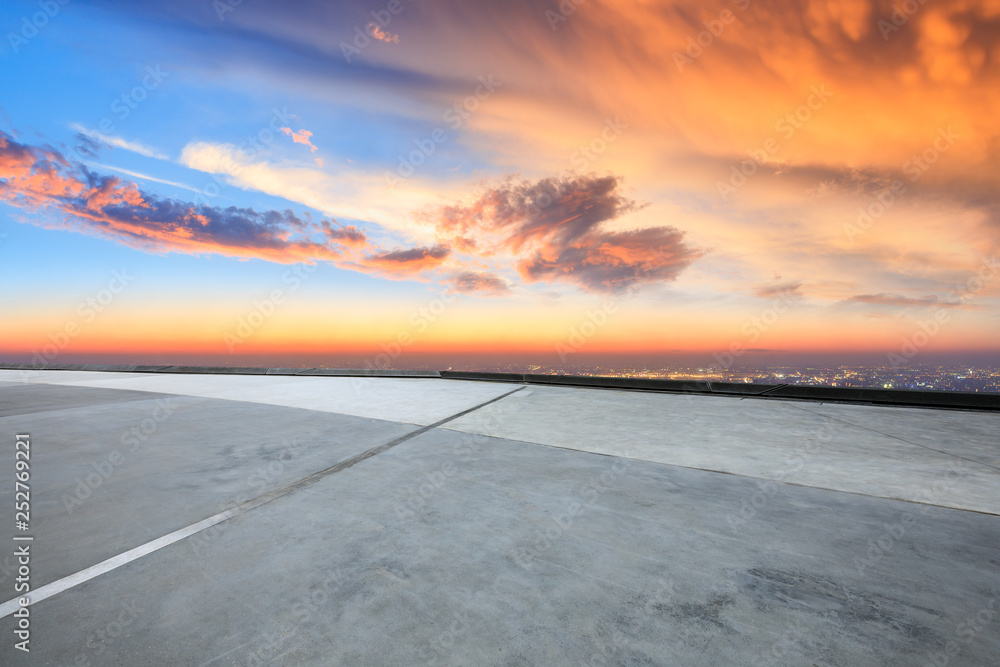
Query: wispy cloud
[[779, 289], [145, 177], [479, 282], [909, 302], [120, 142], [406, 262]]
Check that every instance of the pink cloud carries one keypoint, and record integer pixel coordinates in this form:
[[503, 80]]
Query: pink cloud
[[300, 137]]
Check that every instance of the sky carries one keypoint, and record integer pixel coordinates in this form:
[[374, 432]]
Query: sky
[[382, 181]]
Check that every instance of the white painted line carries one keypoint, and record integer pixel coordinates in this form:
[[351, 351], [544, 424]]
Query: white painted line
[[60, 585]]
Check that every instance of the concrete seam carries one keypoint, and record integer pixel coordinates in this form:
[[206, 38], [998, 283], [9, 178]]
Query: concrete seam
[[58, 586], [896, 437]]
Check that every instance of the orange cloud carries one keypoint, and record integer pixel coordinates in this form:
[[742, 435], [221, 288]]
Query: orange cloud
[[556, 229], [381, 35]]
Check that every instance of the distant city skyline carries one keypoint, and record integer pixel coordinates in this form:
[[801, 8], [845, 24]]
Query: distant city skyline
[[969, 374]]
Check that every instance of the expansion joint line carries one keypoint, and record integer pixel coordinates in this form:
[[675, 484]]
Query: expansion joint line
[[60, 585]]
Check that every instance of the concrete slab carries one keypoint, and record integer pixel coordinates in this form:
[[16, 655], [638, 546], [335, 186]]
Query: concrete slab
[[412, 400], [774, 440], [20, 399], [459, 548], [33, 376], [973, 435], [496, 567], [111, 475]]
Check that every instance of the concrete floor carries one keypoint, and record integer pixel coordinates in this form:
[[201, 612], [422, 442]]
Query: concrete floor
[[555, 526]]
